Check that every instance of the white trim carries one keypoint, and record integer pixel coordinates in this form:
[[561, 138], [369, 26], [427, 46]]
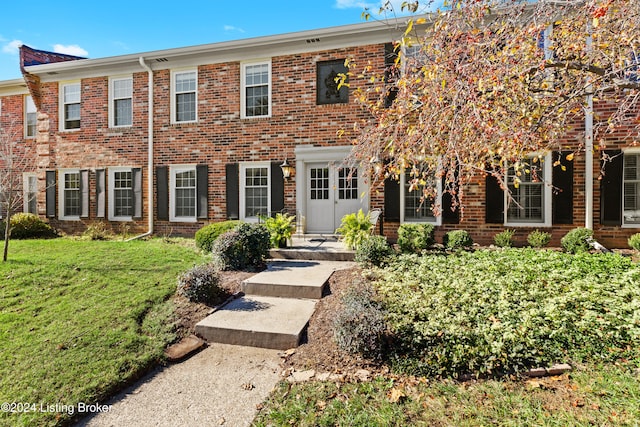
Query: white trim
[[111, 192], [30, 108], [242, 202], [243, 92], [61, 188], [174, 93], [173, 170], [26, 189], [61, 104], [546, 196], [112, 98], [437, 218]]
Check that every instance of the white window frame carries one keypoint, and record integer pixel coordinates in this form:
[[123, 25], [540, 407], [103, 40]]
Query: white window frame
[[627, 152], [173, 171], [112, 192], [113, 98], [30, 109], [62, 117], [243, 88], [61, 189], [243, 179], [437, 218], [175, 93], [27, 189], [546, 196]]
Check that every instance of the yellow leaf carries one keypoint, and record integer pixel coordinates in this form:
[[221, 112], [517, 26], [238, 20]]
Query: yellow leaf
[[409, 27], [421, 21], [395, 395], [596, 21], [570, 156]]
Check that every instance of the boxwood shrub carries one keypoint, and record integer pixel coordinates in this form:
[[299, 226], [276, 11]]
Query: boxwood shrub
[[415, 237], [30, 226], [245, 247], [209, 233]]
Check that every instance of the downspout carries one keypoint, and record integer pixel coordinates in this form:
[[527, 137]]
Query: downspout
[[149, 151]]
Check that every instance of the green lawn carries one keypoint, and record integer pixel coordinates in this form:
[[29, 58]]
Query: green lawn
[[79, 319]]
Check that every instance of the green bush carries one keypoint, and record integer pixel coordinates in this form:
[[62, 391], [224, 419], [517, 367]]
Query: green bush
[[200, 284], [355, 228], [30, 226], [209, 233], [374, 250], [280, 228], [246, 247], [360, 326], [577, 240], [504, 239], [457, 239], [415, 237], [538, 239], [634, 242], [98, 231]]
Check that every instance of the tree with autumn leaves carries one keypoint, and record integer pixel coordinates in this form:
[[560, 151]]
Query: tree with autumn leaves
[[480, 85]]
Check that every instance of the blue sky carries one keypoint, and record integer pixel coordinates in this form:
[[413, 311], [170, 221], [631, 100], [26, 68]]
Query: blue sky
[[96, 29]]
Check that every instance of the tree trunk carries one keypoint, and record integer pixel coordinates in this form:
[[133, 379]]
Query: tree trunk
[[7, 227]]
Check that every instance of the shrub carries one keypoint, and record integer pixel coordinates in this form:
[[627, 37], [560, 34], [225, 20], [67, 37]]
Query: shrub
[[457, 239], [415, 237], [577, 240], [355, 228], [97, 231], [634, 242], [200, 284], [209, 233], [246, 247], [504, 239], [360, 325], [280, 229], [538, 239], [373, 251], [30, 226]]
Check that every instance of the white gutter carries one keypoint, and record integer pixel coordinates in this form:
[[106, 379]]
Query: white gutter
[[588, 146], [149, 150]]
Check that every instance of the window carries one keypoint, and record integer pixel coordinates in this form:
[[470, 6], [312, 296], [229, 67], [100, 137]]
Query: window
[[254, 190], [631, 189], [184, 98], [70, 194], [529, 185], [347, 184], [30, 117], [256, 89], [183, 193], [70, 106], [121, 100], [121, 198], [327, 86], [30, 192], [415, 207]]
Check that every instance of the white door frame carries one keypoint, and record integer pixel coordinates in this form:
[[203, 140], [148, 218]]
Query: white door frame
[[311, 154]]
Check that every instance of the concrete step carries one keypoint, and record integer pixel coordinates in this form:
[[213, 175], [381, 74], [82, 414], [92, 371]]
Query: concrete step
[[258, 321], [314, 247], [292, 279]]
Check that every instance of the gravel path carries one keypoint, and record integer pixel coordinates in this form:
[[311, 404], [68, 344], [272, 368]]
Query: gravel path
[[221, 385]]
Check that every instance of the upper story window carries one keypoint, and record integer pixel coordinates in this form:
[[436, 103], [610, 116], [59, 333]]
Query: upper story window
[[184, 99], [30, 117], [529, 185], [256, 89], [70, 106], [327, 84], [631, 189], [120, 102]]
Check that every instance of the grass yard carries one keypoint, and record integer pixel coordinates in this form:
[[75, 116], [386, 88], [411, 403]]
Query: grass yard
[[78, 319]]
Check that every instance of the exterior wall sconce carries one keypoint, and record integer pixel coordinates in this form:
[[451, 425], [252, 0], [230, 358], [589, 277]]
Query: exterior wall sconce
[[287, 169]]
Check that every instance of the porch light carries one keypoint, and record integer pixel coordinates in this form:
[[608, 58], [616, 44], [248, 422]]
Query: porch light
[[286, 169]]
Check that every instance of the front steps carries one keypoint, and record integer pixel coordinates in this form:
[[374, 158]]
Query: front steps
[[275, 308]]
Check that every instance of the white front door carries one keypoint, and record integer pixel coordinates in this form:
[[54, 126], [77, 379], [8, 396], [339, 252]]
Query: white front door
[[332, 192]]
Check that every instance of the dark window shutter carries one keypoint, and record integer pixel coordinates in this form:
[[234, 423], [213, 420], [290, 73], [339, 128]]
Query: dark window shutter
[[100, 193], [277, 188], [449, 216], [50, 193], [136, 174], [84, 193], [233, 190], [390, 74], [162, 192], [611, 189], [391, 200], [494, 201], [202, 188], [562, 180]]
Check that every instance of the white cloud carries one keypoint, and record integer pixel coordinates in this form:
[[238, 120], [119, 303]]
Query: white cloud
[[231, 28], [12, 47], [72, 49]]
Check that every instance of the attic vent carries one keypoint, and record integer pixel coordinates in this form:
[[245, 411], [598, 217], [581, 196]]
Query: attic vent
[[162, 60], [316, 40]]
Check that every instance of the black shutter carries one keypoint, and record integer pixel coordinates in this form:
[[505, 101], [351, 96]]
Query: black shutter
[[84, 193], [390, 56], [277, 188], [611, 189], [391, 200], [50, 193], [162, 192], [233, 191], [136, 175], [562, 180], [100, 193], [494, 201], [449, 216], [202, 187]]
